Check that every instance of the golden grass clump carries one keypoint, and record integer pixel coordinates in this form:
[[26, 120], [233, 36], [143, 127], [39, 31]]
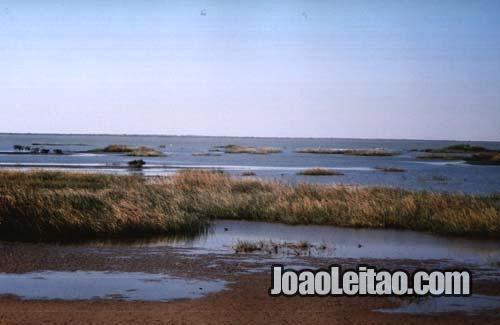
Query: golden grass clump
[[54, 205], [58, 206]]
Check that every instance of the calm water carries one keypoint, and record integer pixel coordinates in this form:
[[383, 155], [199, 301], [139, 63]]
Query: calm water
[[339, 242], [82, 285], [428, 175]]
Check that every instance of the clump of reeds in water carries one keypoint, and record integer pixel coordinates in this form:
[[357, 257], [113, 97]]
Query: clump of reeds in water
[[139, 163], [319, 172], [390, 169], [272, 247]]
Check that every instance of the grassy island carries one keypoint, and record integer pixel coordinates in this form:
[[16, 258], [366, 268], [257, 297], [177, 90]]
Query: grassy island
[[130, 151]]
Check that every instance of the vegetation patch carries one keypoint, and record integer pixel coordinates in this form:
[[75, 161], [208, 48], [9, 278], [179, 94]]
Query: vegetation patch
[[271, 247], [390, 169], [319, 172], [130, 151], [136, 163], [56, 206], [248, 173], [484, 159], [459, 148], [233, 148]]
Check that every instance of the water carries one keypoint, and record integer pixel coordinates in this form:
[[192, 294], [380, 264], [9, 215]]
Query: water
[[340, 242], [80, 285], [473, 304], [448, 176]]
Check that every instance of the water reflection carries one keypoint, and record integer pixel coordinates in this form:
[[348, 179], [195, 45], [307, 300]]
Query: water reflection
[[222, 236], [132, 286]]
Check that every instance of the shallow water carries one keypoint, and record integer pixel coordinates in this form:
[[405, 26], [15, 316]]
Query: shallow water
[[340, 242], [473, 304], [80, 285], [421, 175]]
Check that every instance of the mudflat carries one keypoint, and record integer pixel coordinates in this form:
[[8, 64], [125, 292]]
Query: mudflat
[[244, 302]]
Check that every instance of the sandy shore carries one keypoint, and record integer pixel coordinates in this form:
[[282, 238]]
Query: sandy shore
[[245, 302]]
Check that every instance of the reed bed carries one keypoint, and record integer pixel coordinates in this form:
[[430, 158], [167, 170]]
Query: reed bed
[[55, 205]]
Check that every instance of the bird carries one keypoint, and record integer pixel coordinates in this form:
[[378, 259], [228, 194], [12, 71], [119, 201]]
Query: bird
[[203, 12]]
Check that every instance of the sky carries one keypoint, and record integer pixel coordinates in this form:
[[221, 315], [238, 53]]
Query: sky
[[339, 68]]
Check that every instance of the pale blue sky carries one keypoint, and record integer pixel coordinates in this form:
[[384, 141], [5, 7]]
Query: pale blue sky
[[347, 68]]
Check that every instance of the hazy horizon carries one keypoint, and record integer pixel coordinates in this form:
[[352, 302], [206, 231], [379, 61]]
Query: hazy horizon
[[387, 69], [233, 136]]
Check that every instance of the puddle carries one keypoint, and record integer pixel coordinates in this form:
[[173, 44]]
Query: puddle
[[433, 305], [339, 242], [80, 285]]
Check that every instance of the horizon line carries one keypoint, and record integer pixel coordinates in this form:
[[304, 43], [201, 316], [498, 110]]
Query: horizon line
[[230, 136]]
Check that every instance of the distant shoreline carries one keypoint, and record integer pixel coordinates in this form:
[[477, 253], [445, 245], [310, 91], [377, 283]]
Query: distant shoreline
[[239, 137]]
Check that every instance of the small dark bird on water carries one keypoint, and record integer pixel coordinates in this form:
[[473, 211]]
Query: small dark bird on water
[[226, 229], [359, 245]]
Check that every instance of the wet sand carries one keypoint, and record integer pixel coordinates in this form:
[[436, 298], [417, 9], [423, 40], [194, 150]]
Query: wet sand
[[245, 302], [245, 299]]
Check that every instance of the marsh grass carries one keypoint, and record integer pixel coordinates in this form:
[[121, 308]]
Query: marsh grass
[[55, 206], [51, 206], [272, 247], [319, 172]]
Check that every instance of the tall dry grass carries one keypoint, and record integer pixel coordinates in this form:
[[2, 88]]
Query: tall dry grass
[[220, 196], [47, 205], [58, 206]]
